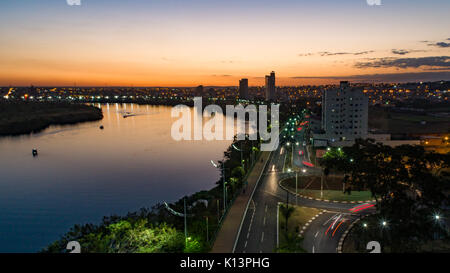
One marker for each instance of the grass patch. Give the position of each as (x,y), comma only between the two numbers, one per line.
(332,188)
(289,240)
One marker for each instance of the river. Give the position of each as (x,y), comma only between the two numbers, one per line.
(83,173)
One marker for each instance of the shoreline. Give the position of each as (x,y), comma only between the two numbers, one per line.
(23,118)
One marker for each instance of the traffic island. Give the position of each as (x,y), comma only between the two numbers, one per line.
(289,238)
(309,187)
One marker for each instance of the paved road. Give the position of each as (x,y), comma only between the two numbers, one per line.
(323,234)
(259,230)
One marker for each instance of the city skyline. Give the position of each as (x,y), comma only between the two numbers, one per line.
(216,43)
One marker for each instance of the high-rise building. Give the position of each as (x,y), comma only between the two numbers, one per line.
(270,86)
(243,89)
(344,113)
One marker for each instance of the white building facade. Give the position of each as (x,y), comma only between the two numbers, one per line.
(344,114)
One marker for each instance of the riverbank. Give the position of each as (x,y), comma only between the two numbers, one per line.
(17,118)
(160,228)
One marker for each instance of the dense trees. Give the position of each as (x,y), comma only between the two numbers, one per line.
(27,117)
(410,186)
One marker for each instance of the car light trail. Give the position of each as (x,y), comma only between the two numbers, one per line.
(361,207)
(342,221)
(308,164)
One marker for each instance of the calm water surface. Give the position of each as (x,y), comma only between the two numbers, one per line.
(83,173)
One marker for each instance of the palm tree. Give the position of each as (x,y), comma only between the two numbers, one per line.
(287,212)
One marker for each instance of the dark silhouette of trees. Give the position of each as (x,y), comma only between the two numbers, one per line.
(408,183)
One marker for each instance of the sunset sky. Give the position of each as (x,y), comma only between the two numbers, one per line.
(216,42)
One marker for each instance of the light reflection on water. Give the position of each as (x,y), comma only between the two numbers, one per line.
(83,173)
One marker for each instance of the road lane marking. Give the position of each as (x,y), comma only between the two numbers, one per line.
(245,246)
(262,237)
(317,233)
(264,224)
(313,250)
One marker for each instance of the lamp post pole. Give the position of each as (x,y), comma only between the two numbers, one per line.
(296,187)
(224,190)
(185,222)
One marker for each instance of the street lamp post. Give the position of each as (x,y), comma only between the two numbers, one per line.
(184,215)
(296,187)
(224,184)
(242,157)
(185,223)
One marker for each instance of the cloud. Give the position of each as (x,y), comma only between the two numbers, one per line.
(388,77)
(223,75)
(326,53)
(440,44)
(388,62)
(405,51)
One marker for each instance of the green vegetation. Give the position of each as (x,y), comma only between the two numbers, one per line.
(29,117)
(410,186)
(289,239)
(332,188)
(125,236)
(157,229)
(369,229)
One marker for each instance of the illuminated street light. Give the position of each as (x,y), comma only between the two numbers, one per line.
(437,217)
(224,184)
(304,170)
(365,225)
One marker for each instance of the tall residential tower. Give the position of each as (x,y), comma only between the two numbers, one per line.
(344,113)
(270,86)
(243,89)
